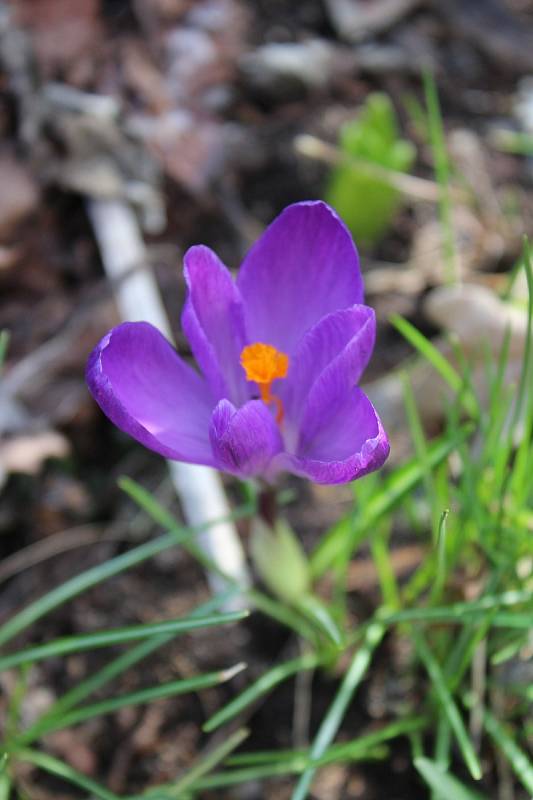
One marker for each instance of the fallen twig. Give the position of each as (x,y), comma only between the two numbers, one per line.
(410,185)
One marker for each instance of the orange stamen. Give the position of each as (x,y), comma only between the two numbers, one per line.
(263,364)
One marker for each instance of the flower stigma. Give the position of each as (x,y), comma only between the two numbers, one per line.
(263,363)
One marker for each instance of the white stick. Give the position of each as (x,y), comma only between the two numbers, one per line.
(137,296)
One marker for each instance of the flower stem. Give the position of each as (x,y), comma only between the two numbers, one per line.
(267,507)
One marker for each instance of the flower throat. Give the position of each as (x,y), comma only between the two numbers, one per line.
(263,364)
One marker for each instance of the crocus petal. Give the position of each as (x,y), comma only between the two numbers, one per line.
(147,391)
(303,267)
(343,341)
(213,322)
(244,440)
(350,444)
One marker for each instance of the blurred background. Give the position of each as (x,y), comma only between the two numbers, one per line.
(202,119)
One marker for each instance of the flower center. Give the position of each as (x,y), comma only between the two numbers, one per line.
(263,364)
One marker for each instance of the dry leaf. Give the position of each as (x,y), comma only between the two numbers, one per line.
(27,454)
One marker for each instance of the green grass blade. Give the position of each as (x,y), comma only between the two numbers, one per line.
(92,641)
(442,174)
(440,363)
(521,764)
(115,668)
(448,705)
(233,777)
(109,672)
(509,650)
(15,700)
(267,605)
(381,555)
(266,757)
(207,764)
(140,697)
(392,491)
(333,719)
(519,481)
(5,786)
(440,569)
(177,535)
(347,751)
(295,765)
(282,614)
(61,770)
(503,455)
(147,502)
(5,778)
(443,744)
(260,687)
(86,580)
(444,784)
(159,514)
(527,365)
(463,651)
(317,611)
(4,342)
(270,764)
(418,437)
(498,620)
(461,612)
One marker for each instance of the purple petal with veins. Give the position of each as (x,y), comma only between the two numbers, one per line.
(144,387)
(244,440)
(303,267)
(299,292)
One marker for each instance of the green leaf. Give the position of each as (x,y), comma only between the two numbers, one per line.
(371,139)
(441,782)
(177,535)
(346,751)
(140,697)
(381,555)
(5,778)
(5,786)
(442,174)
(232,777)
(319,613)
(268,681)
(346,535)
(333,719)
(145,500)
(264,765)
(518,143)
(280,560)
(91,641)
(499,619)
(448,705)
(521,764)
(439,362)
(113,669)
(86,580)
(61,770)
(267,605)
(4,342)
(203,766)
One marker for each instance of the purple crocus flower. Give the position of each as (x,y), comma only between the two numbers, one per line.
(281,351)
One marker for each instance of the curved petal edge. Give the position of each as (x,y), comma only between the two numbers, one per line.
(213,322)
(148,392)
(304,266)
(349,446)
(340,343)
(244,440)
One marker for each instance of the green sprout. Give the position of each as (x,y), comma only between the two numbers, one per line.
(367,201)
